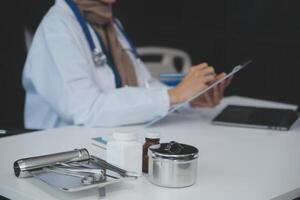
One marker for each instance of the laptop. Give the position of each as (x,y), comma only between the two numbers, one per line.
(257,117)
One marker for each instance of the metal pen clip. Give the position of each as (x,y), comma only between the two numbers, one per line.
(99,58)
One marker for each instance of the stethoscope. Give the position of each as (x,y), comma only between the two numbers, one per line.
(100,58)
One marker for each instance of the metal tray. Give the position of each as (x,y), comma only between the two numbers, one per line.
(73,184)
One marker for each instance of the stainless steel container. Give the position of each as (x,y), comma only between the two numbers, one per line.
(173,164)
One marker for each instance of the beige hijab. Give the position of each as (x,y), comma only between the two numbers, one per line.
(100,16)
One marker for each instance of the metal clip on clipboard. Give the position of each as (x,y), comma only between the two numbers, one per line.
(72,171)
(176,107)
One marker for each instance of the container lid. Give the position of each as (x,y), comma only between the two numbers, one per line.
(174,151)
(152,135)
(124,135)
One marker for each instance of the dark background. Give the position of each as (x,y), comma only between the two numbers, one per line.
(15,15)
(225,33)
(220,32)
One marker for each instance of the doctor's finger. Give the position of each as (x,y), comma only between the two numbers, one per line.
(216,95)
(200,72)
(208,99)
(220,76)
(209,78)
(200,104)
(200,66)
(228,81)
(223,87)
(207,71)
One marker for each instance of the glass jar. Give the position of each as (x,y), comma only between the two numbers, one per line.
(151,138)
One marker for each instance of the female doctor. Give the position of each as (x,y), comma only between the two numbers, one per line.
(82,69)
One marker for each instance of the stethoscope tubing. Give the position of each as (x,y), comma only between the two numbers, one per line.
(87,32)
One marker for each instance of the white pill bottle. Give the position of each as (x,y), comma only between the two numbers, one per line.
(125,151)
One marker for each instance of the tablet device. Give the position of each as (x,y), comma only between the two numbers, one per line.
(257,117)
(176,107)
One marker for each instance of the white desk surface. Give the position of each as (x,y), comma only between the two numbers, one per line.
(234,163)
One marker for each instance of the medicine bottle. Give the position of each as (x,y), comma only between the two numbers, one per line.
(125,151)
(151,138)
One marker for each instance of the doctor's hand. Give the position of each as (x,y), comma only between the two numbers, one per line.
(212,97)
(197,79)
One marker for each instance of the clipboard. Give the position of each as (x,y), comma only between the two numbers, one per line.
(175,108)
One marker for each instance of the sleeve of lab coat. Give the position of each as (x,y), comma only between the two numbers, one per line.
(79,100)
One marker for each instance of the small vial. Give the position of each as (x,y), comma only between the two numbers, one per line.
(151,138)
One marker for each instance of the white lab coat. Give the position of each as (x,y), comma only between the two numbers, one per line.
(63,86)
